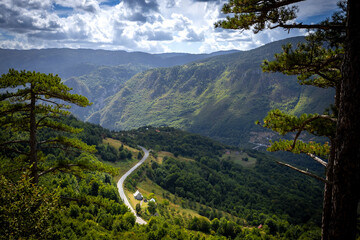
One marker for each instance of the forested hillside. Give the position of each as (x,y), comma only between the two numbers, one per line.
(84,204)
(220,97)
(244,184)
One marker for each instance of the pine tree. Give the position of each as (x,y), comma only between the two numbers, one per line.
(32,101)
(329,58)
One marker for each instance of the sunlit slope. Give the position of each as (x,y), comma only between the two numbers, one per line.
(220,97)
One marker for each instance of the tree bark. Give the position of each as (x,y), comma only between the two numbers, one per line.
(32,140)
(345,189)
(327,200)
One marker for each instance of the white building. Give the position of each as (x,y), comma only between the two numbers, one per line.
(138,195)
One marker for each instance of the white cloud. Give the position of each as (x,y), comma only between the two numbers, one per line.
(133,25)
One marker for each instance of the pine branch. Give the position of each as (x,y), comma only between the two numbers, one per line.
(327,78)
(66,149)
(308,26)
(71,199)
(269,7)
(40,120)
(304,172)
(15,141)
(319,160)
(49,101)
(302,127)
(15,150)
(57,168)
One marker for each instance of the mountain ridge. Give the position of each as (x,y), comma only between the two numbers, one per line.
(220,97)
(68,62)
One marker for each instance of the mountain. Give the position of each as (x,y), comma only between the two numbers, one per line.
(220,97)
(76,62)
(100,84)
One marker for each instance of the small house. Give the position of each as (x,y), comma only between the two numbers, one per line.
(152,200)
(138,195)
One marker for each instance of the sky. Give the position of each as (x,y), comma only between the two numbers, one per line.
(153,26)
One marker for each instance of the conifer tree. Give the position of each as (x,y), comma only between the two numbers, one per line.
(32,101)
(329,58)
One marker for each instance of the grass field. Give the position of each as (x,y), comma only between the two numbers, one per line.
(163,154)
(238,157)
(116,144)
(148,187)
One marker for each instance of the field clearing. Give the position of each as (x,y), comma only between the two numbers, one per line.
(163,154)
(117,144)
(238,157)
(147,187)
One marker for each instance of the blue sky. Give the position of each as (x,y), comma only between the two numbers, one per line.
(153,26)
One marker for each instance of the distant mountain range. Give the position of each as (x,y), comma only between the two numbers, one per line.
(76,62)
(219,95)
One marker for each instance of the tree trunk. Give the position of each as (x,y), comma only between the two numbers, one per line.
(32,140)
(327,201)
(345,189)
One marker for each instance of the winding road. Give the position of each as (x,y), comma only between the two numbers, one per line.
(120,186)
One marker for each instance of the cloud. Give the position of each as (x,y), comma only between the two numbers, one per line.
(21,19)
(137,17)
(144,6)
(192,36)
(34,4)
(159,36)
(91,6)
(206,0)
(170,3)
(133,25)
(49,35)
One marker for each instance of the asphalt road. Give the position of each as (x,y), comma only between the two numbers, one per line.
(120,186)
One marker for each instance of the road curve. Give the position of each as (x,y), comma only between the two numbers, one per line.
(120,186)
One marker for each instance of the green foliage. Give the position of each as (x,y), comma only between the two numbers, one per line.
(257,14)
(317,62)
(300,147)
(138,209)
(242,192)
(172,140)
(200,224)
(26,209)
(32,102)
(320,125)
(314,64)
(152,207)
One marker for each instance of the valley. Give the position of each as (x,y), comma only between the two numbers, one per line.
(187,120)
(205,169)
(219,95)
